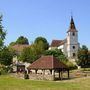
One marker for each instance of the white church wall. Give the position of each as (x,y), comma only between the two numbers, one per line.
(52,48)
(61,47)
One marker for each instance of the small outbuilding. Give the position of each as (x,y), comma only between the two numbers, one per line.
(48,64)
(19,67)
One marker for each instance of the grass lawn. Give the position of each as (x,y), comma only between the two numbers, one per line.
(10,83)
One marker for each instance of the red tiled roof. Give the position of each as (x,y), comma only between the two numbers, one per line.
(47,62)
(19,47)
(56,43)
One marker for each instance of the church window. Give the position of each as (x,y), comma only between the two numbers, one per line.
(73,47)
(73,34)
(74,54)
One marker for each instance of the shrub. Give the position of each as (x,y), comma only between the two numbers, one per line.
(71,65)
(3,70)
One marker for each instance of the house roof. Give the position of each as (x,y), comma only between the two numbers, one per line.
(72,27)
(19,47)
(47,62)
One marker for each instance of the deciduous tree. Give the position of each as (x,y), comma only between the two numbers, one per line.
(43,41)
(28,55)
(57,53)
(6,56)
(22,40)
(2,33)
(83,56)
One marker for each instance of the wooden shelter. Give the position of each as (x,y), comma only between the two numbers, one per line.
(50,63)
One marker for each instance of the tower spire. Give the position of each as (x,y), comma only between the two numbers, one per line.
(72,27)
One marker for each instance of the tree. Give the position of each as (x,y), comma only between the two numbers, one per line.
(28,55)
(2,33)
(32,53)
(57,53)
(12,43)
(6,56)
(22,40)
(43,41)
(83,56)
(38,48)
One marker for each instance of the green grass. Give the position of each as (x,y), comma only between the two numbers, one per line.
(10,83)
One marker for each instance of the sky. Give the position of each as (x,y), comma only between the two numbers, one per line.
(46,18)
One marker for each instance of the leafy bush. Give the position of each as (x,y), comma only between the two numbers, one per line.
(71,65)
(3,70)
(6,56)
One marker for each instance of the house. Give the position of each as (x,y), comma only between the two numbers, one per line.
(70,44)
(19,65)
(48,64)
(19,48)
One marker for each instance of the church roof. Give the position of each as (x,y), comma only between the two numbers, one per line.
(72,27)
(47,62)
(56,43)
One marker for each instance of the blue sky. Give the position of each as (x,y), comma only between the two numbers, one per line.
(47,18)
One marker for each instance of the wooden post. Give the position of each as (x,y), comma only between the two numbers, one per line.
(43,73)
(53,73)
(50,71)
(59,74)
(68,74)
(36,71)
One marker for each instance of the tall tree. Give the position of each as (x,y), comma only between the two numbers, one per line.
(2,33)
(44,43)
(83,56)
(22,40)
(6,56)
(28,55)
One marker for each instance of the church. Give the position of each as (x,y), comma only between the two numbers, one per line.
(70,44)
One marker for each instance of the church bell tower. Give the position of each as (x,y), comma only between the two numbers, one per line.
(72,41)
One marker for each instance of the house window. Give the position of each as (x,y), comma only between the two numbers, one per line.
(73,47)
(74,54)
(73,33)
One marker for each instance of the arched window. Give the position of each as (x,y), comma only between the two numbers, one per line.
(74,54)
(73,33)
(73,47)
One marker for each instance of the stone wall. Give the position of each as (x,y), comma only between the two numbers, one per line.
(40,77)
